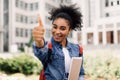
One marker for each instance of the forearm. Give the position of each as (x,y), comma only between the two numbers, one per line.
(40,53)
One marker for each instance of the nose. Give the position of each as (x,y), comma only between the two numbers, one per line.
(57,31)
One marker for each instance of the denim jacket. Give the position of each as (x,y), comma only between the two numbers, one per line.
(56,67)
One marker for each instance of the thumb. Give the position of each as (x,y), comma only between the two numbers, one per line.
(40,21)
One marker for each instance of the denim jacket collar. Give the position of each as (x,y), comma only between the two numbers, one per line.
(59,45)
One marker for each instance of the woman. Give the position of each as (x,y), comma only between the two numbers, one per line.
(64,20)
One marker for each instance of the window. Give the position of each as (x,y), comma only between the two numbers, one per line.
(79,37)
(107,15)
(21,32)
(6,4)
(17,17)
(100,38)
(36,6)
(90,38)
(21,18)
(106,3)
(26,6)
(26,33)
(31,6)
(21,4)
(26,20)
(110,37)
(31,20)
(118,2)
(17,3)
(111,3)
(118,36)
(17,32)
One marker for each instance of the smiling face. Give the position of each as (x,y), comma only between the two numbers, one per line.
(60,30)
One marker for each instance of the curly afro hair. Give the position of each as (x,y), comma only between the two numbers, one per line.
(73,14)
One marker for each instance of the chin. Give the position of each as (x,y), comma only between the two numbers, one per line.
(57,40)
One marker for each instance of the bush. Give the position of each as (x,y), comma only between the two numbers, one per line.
(102,67)
(25,64)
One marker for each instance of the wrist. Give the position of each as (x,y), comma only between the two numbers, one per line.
(39,44)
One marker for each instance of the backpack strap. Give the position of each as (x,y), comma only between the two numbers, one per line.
(80,50)
(42,75)
(49,51)
(49,54)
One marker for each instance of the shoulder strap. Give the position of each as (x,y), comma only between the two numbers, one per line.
(49,50)
(49,54)
(80,50)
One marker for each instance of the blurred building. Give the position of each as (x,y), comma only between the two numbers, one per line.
(101,22)
(1,27)
(18,18)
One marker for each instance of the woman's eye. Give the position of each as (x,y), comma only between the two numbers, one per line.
(55,27)
(63,28)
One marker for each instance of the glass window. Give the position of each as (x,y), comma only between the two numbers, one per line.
(36,6)
(21,4)
(26,33)
(31,6)
(107,15)
(17,3)
(100,37)
(17,32)
(31,20)
(21,18)
(17,17)
(26,19)
(111,3)
(118,36)
(21,32)
(26,6)
(6,4)
(118,2)
(110,37)
(106,3)
(90,38)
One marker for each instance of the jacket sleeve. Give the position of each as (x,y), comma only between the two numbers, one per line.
(41,53)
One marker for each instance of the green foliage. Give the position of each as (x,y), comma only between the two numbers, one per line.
(25,64)
(30,41)
(105,67)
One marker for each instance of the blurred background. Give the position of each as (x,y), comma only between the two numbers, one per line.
(100,37)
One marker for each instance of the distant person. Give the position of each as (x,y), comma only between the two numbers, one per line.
(64,20)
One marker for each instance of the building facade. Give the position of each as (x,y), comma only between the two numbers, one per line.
(19,17)
(101,22)
(1,27)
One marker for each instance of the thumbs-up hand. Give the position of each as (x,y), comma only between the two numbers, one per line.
(38,33)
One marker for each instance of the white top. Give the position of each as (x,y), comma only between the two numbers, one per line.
(67,59)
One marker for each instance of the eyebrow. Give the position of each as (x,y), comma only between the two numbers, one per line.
(55,24)
(61,26)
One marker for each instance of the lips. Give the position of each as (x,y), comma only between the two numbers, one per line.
(57,37)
